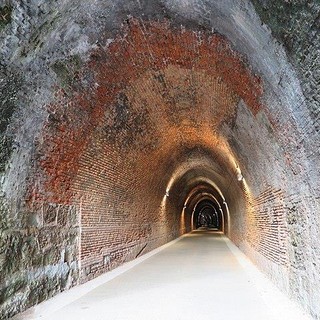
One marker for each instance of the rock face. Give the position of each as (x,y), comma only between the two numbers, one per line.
(119,117)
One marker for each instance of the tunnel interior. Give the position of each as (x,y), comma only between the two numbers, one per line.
(126,124)
(207,215)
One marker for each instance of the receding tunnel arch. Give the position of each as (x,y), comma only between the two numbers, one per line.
(206,214)
(204,188)
(208,197)
(208,191)
(168,102)
(195,171)
(107,149)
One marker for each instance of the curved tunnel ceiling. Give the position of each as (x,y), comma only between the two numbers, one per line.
(170,89)
(129,113)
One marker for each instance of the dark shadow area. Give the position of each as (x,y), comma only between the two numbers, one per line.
(207,216)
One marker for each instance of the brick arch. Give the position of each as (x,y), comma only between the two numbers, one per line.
(152,51)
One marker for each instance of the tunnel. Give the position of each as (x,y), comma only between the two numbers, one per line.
(128,124)
(206,215)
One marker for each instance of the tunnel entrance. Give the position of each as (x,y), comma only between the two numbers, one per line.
(206,215)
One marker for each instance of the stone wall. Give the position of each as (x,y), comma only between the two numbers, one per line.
(118,117)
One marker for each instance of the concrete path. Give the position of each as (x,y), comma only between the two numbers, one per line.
(198,277)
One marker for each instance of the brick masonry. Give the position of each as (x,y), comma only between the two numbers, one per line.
(114,131)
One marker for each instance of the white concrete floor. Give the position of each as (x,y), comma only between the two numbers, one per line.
(201,276)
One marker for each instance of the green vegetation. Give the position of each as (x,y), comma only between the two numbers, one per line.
(67,70)
(5,16)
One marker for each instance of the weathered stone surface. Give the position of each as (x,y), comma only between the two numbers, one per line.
(119,116)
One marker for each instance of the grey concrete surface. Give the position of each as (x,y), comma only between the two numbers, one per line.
(201,276)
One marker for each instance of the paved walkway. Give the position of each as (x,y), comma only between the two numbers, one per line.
(198,277)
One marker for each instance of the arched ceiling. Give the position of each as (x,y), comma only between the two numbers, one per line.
(121,110)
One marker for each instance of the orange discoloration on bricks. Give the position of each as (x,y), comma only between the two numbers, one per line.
(142,47)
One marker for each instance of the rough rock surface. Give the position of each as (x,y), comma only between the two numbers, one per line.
(118,117)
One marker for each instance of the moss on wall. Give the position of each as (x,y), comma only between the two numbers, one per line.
(67,71)
(9,86)
(5,16)
(290,21)
(296,24)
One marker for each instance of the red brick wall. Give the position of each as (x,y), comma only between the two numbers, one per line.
(111,147)
(162,110)
(109,131)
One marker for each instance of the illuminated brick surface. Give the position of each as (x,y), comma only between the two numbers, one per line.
(118,120)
